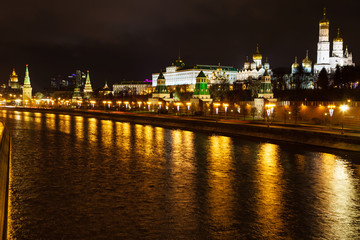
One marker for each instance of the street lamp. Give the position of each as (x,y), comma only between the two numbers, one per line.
(92,103)
(269,110)
(343,108)
(331,112)
(126,104)
(188,104)
(139,102)
(149,104)
(119,102)
(178,106)
(109,104)
(217,107)
(159,103)
(104,102)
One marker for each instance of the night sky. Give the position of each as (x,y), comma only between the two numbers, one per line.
(129,40)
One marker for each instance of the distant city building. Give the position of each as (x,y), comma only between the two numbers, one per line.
(132,88)
(77,95)
(27,89)
(180,74)
(255,69)
(67,82)
(14,81)
(338,56)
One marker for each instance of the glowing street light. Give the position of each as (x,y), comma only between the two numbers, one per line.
(188,104)
(149,104)
(139,102)
(178,106)
(343,108)
(331,112)
(109,104)
(269,110)
(92,103)
(126,104)
(119,102)
(217,105)
(159,103)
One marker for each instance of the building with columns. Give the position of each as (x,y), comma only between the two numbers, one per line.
(325,58)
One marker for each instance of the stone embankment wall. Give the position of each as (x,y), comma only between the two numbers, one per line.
(5,155)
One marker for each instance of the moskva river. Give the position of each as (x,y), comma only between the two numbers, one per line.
(75,177)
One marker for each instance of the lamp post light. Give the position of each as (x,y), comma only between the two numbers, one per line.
(226,105)
(119,102)
(331,112)
(217,108)
(188,104)
(149,104)
(104,102)
(126,104)
(139,102)
(159,103)
(178,106)
(92,103)
(343,108)
(269,110)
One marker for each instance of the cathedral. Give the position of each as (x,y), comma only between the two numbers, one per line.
(338,56)
(255,69)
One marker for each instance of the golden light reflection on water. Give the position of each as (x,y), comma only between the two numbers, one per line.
(106,131)
(159,141)
(270,187)
(221,192)
(79,125)
(92,130)
(64,123)
(182,177)
(50,121)
(338,197)
(37,117)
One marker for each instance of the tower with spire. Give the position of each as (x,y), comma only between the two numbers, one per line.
(88,89)
(265,90)
(201,87)
(338,56)
(27,89)
(14,81)
(161,90)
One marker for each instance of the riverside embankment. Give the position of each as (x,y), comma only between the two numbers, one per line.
(292,134)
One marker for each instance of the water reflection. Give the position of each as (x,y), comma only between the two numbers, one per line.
(269,191)
(131,181)
(221,192)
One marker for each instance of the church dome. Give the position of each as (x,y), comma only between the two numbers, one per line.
(307,63)
(257,55)
(338,38)
(324,20)
(295,64)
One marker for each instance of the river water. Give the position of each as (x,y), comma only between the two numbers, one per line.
(74,177)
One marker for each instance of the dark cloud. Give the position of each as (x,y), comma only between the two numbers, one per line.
(132,39)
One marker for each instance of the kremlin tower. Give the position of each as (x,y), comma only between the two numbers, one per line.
(13,81)
(27,89)
(88,89)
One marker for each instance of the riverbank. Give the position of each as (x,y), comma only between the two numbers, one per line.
(292,134)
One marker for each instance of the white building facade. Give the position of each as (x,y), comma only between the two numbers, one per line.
(338,55)
(178,74)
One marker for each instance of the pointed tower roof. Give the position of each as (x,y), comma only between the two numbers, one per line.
(307,62)
(295,64)
(27,77)
(106,86)
(161,75)
(201,75)
(13,74)
(257,55)
(87,77)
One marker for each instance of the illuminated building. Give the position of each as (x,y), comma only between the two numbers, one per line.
(179,74)
(132,88)
(27,89)
(106,90)
(77,95)
(306,78)
(88,89)
(265,90)
(255,69)
(338,56)
(13,81)
(161,90)
(201,88)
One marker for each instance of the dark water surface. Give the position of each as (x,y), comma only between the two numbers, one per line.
(74,177)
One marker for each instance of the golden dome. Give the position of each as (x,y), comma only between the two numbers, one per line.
(324,20)
(295,64)
(307,62)
(338,38)
(257,55)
